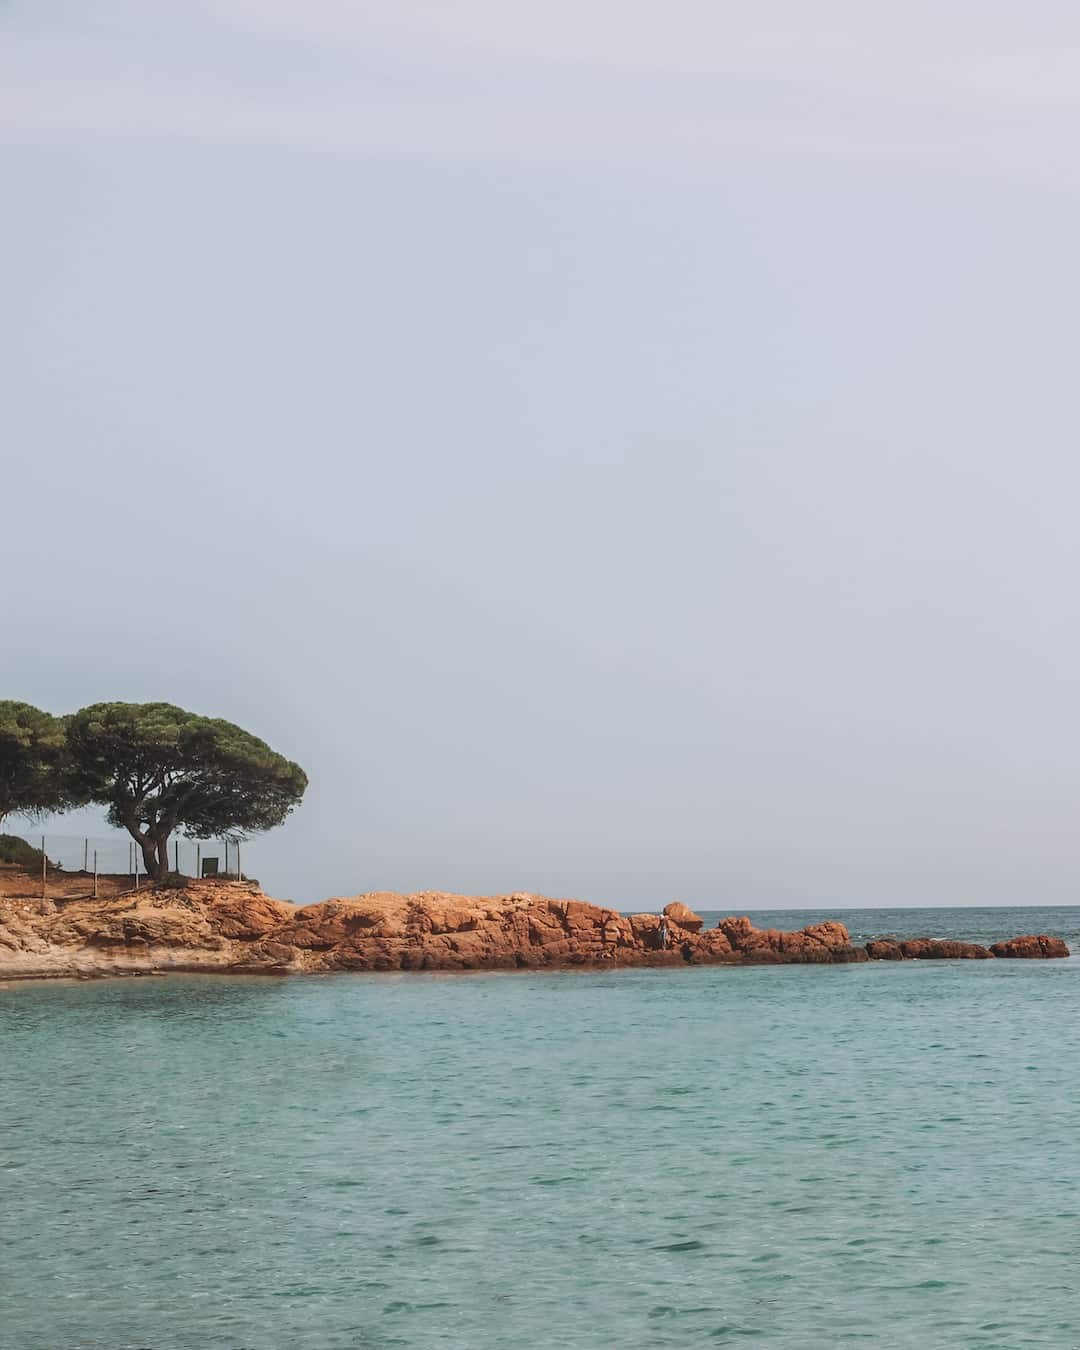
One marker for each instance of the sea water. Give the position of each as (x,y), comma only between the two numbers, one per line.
(884,1155)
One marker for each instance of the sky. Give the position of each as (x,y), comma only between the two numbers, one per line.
(624,451)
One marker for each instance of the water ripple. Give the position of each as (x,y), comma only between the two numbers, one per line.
(877,1156)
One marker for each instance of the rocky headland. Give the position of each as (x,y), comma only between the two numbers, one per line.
(221,926)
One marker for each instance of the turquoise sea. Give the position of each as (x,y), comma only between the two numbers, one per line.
(884,1155)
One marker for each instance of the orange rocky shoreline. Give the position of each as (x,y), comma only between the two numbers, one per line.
(232,927)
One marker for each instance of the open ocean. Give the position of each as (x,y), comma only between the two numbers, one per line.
(884,1155)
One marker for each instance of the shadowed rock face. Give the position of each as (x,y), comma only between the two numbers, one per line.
(223,926)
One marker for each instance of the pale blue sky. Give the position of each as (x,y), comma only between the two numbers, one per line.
(624,451)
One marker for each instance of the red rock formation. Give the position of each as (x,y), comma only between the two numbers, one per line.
(206,926)
(884,949)
(1030,946)
(223,926)
(819,943)
(684,916)
(942,949)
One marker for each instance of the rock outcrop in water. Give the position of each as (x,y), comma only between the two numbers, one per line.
(231,926)
(943,949)
(1030,947)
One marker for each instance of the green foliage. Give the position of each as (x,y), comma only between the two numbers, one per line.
(158,768)
(33,762)
(18,851)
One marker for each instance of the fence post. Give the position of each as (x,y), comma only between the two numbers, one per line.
(95,874)
(176,854)
(239,874)
(44,867)
(198,861)
(226,842)
(136,869)
(85,854)
(131,859)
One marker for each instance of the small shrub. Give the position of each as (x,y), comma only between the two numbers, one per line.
(18,851)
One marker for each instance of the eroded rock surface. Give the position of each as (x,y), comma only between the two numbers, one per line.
(1030,946)
(943,949)
(884,949)
(231,926)
(684,916)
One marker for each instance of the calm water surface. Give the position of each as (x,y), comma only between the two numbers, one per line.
(879,1156)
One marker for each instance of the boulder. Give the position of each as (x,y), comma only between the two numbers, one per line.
(714,946)
(737,929)
(820,943)
(684,916)
(943,949)
(1030,946)
(884,949)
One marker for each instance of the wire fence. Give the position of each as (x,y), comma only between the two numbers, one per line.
(65,866)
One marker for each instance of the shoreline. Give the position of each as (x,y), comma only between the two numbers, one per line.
(232,928)
(11,981)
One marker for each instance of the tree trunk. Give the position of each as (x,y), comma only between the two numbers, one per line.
(150,861)
(163,856)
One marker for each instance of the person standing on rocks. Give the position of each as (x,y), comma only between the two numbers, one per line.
(663,932)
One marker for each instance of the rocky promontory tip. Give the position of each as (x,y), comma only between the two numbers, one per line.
(233,927)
